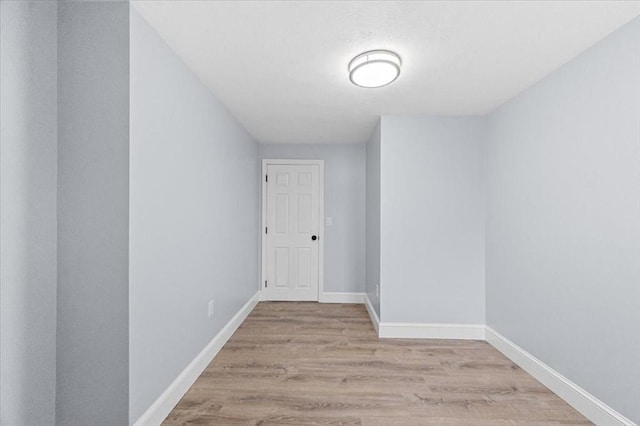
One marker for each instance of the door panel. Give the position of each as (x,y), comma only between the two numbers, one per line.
(281,267)
(282,214)
(292,209)
(304,214)
(304,268)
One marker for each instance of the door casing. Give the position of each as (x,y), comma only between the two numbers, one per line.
(263,257)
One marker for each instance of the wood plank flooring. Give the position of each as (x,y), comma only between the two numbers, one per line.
(299,363)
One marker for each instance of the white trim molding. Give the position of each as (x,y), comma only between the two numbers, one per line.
(588,405)
(408,330)
(341,297)
(162,406)
(372,313)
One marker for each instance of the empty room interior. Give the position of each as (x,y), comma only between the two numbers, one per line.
(319,212)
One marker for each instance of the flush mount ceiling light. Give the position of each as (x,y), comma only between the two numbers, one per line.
(375,68)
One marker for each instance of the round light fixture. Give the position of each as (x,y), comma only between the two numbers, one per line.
(375,68)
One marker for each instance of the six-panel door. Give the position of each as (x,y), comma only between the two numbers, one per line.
(292,222)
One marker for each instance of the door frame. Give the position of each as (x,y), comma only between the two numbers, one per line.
(263,238)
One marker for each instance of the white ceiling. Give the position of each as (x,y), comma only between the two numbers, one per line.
(281,67)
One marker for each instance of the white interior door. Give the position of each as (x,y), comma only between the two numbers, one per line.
(292,232)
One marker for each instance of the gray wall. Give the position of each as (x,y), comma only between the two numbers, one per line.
(93,213)
(373,219)
(563,228)
(28,212)
(432,219)
(344,202)
(194,216)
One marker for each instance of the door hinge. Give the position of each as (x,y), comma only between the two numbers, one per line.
(266,178)
(265,283)
(266,230)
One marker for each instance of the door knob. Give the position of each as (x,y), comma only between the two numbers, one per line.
(313,237)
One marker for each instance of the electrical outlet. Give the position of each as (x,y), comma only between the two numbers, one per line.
(378,291)
(210,308)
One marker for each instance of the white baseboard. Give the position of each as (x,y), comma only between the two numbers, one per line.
(329,297)
(406,330)
(162,406)
(336,297)
(590,406)
(372,313)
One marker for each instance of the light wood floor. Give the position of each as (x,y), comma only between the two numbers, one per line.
(301,364)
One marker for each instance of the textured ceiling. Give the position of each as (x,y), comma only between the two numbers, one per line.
(281,67)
